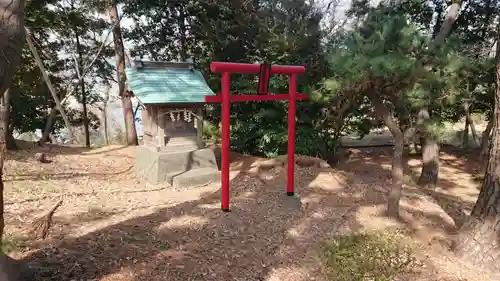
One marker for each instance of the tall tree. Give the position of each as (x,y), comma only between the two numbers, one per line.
(479,240)
(385,72)
(80,34)
(429,142)
(126,97)
(382,58)
(11,44)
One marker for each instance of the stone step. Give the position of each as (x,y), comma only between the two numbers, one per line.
(195,177)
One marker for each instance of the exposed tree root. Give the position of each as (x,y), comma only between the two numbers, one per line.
(281,163)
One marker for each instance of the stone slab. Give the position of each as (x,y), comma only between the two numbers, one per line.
(196,177)
(161,166)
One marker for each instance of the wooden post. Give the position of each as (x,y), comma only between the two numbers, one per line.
(154,124)
(146,121)
(199,128)
(161,126)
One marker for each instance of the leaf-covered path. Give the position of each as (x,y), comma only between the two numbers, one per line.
(113,226)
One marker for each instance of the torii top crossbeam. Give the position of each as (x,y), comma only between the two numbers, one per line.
(247,68)
(264,71)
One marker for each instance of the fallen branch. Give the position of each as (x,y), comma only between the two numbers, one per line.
(41,226)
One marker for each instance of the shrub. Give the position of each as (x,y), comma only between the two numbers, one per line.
(377,256)
(211,131)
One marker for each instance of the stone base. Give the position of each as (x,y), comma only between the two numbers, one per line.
(180,167)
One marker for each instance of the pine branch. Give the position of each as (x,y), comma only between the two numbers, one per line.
(42,225)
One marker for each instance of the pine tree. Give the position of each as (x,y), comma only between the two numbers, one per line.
(384,58)
(479,237)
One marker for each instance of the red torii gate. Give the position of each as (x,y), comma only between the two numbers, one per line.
(264,71)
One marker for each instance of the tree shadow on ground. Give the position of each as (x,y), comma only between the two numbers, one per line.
(455,206)
(266,236)
(467,160)
(266,233)
(379,160)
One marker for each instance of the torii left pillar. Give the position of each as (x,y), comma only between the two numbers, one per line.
(225,98)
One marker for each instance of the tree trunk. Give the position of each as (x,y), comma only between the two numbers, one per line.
(469,123)
(11,40)
(437,26)
(128,113)
(10,141)
(479,238)
(397,158)
(84,93)
(3,150)
(85,115)
(48,126)
(430,147)
(445,30)
(11,43)
(397,175)
(106,135)
(105,113)
(430,152)
(485,138)
(9,270)
(51,120)
(465,135)
(182,31)
(430,163)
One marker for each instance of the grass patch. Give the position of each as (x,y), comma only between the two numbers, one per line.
(374,256)
(11,244)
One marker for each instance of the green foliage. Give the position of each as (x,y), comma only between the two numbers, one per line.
(53,25)
(211,131)
(277,32)
(29,96)
(388,55)
(383,51)
(379,256)
(435,129)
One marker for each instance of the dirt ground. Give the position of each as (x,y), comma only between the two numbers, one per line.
(113,226)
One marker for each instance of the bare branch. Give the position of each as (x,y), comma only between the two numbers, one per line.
(86,69)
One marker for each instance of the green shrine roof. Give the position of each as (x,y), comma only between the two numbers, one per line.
(167,82)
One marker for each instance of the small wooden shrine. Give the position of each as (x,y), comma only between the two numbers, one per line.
(172,95)
(168,126)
